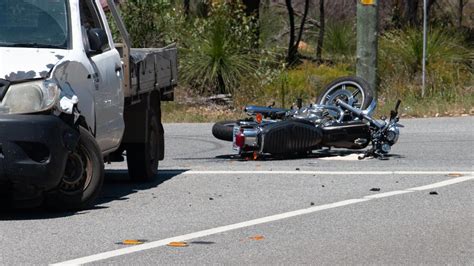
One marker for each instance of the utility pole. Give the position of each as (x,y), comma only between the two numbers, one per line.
(425,33)
(367,40)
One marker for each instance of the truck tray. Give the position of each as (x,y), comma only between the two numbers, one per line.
(153,69)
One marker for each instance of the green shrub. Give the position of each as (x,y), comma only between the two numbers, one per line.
(340,41)
(448,71)
(220,52)
(306,81)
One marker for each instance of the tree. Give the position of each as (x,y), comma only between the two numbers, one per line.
(186,7)
(293,56)
(322,24)
(411,12)
(412,8)
(461,4)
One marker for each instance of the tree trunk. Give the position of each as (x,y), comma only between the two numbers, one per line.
(303,20)
(428,8)
(292,50)
(186,7)
(252,9)
(460,12)
(322,24)
(411,12)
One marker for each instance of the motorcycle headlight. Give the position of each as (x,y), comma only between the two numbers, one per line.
(30,97)
(392,134)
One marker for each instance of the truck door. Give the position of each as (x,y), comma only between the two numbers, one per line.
(107,77)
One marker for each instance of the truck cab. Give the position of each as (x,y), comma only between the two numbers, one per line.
(70,98)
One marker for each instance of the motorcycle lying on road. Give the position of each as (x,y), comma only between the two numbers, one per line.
(340,118)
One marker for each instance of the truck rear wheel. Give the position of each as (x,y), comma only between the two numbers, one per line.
(143,158)
(82,179)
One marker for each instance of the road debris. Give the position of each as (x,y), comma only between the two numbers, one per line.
(177,244)
(433,193)
(312,203)
(131,242)
(257,237)
(455,175)
(375,189)
(203,242)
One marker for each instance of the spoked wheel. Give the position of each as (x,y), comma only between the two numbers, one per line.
(353,90)
(143,158)
(82,178)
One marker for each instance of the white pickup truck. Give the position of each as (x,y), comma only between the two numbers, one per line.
(70,98)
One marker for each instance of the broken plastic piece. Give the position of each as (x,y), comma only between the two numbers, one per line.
(132,242)
(455,174)
(67,105)
(177,244)
(257,237)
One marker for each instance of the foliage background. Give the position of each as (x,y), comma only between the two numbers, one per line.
(224,50)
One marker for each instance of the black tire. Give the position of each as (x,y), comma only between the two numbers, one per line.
(341,87)
(143,158)
(224,130)
(82,179)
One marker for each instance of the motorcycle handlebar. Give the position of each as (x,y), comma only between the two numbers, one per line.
(359,113)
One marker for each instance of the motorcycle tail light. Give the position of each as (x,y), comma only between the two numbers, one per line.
(259,118)
(240,138)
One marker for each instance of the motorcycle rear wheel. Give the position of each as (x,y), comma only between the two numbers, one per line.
(224,130)
(352,90)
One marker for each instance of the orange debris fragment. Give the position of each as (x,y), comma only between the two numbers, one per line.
(257,237)
(178,244)
(455,174)
(132,242)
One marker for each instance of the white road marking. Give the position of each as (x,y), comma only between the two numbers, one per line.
(277,172)
(387,194)
(442,183)
(350,157)
(272,218)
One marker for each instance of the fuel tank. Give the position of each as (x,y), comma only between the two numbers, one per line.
(349,135)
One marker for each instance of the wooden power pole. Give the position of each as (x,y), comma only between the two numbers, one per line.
(367,40)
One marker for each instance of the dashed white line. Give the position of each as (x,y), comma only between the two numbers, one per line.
(272,218)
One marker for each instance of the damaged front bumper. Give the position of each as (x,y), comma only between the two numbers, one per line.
(33,154)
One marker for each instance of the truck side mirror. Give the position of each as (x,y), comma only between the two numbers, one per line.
(98,40)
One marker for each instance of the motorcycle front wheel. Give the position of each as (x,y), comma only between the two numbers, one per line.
(353,90)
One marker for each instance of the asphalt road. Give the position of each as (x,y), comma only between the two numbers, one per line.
(326,209)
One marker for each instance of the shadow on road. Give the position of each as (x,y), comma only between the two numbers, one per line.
(117,186)
(315,155)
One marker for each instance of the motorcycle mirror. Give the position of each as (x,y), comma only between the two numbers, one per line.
(399,125)
(394,113)
(299,103)
(397,105)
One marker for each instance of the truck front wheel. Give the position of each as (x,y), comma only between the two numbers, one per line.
(143,158)
(82,179)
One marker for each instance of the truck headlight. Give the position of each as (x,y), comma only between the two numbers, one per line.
(30,97)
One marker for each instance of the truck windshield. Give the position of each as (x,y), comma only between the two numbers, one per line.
(34,23)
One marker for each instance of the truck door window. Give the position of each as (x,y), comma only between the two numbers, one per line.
(90,17)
